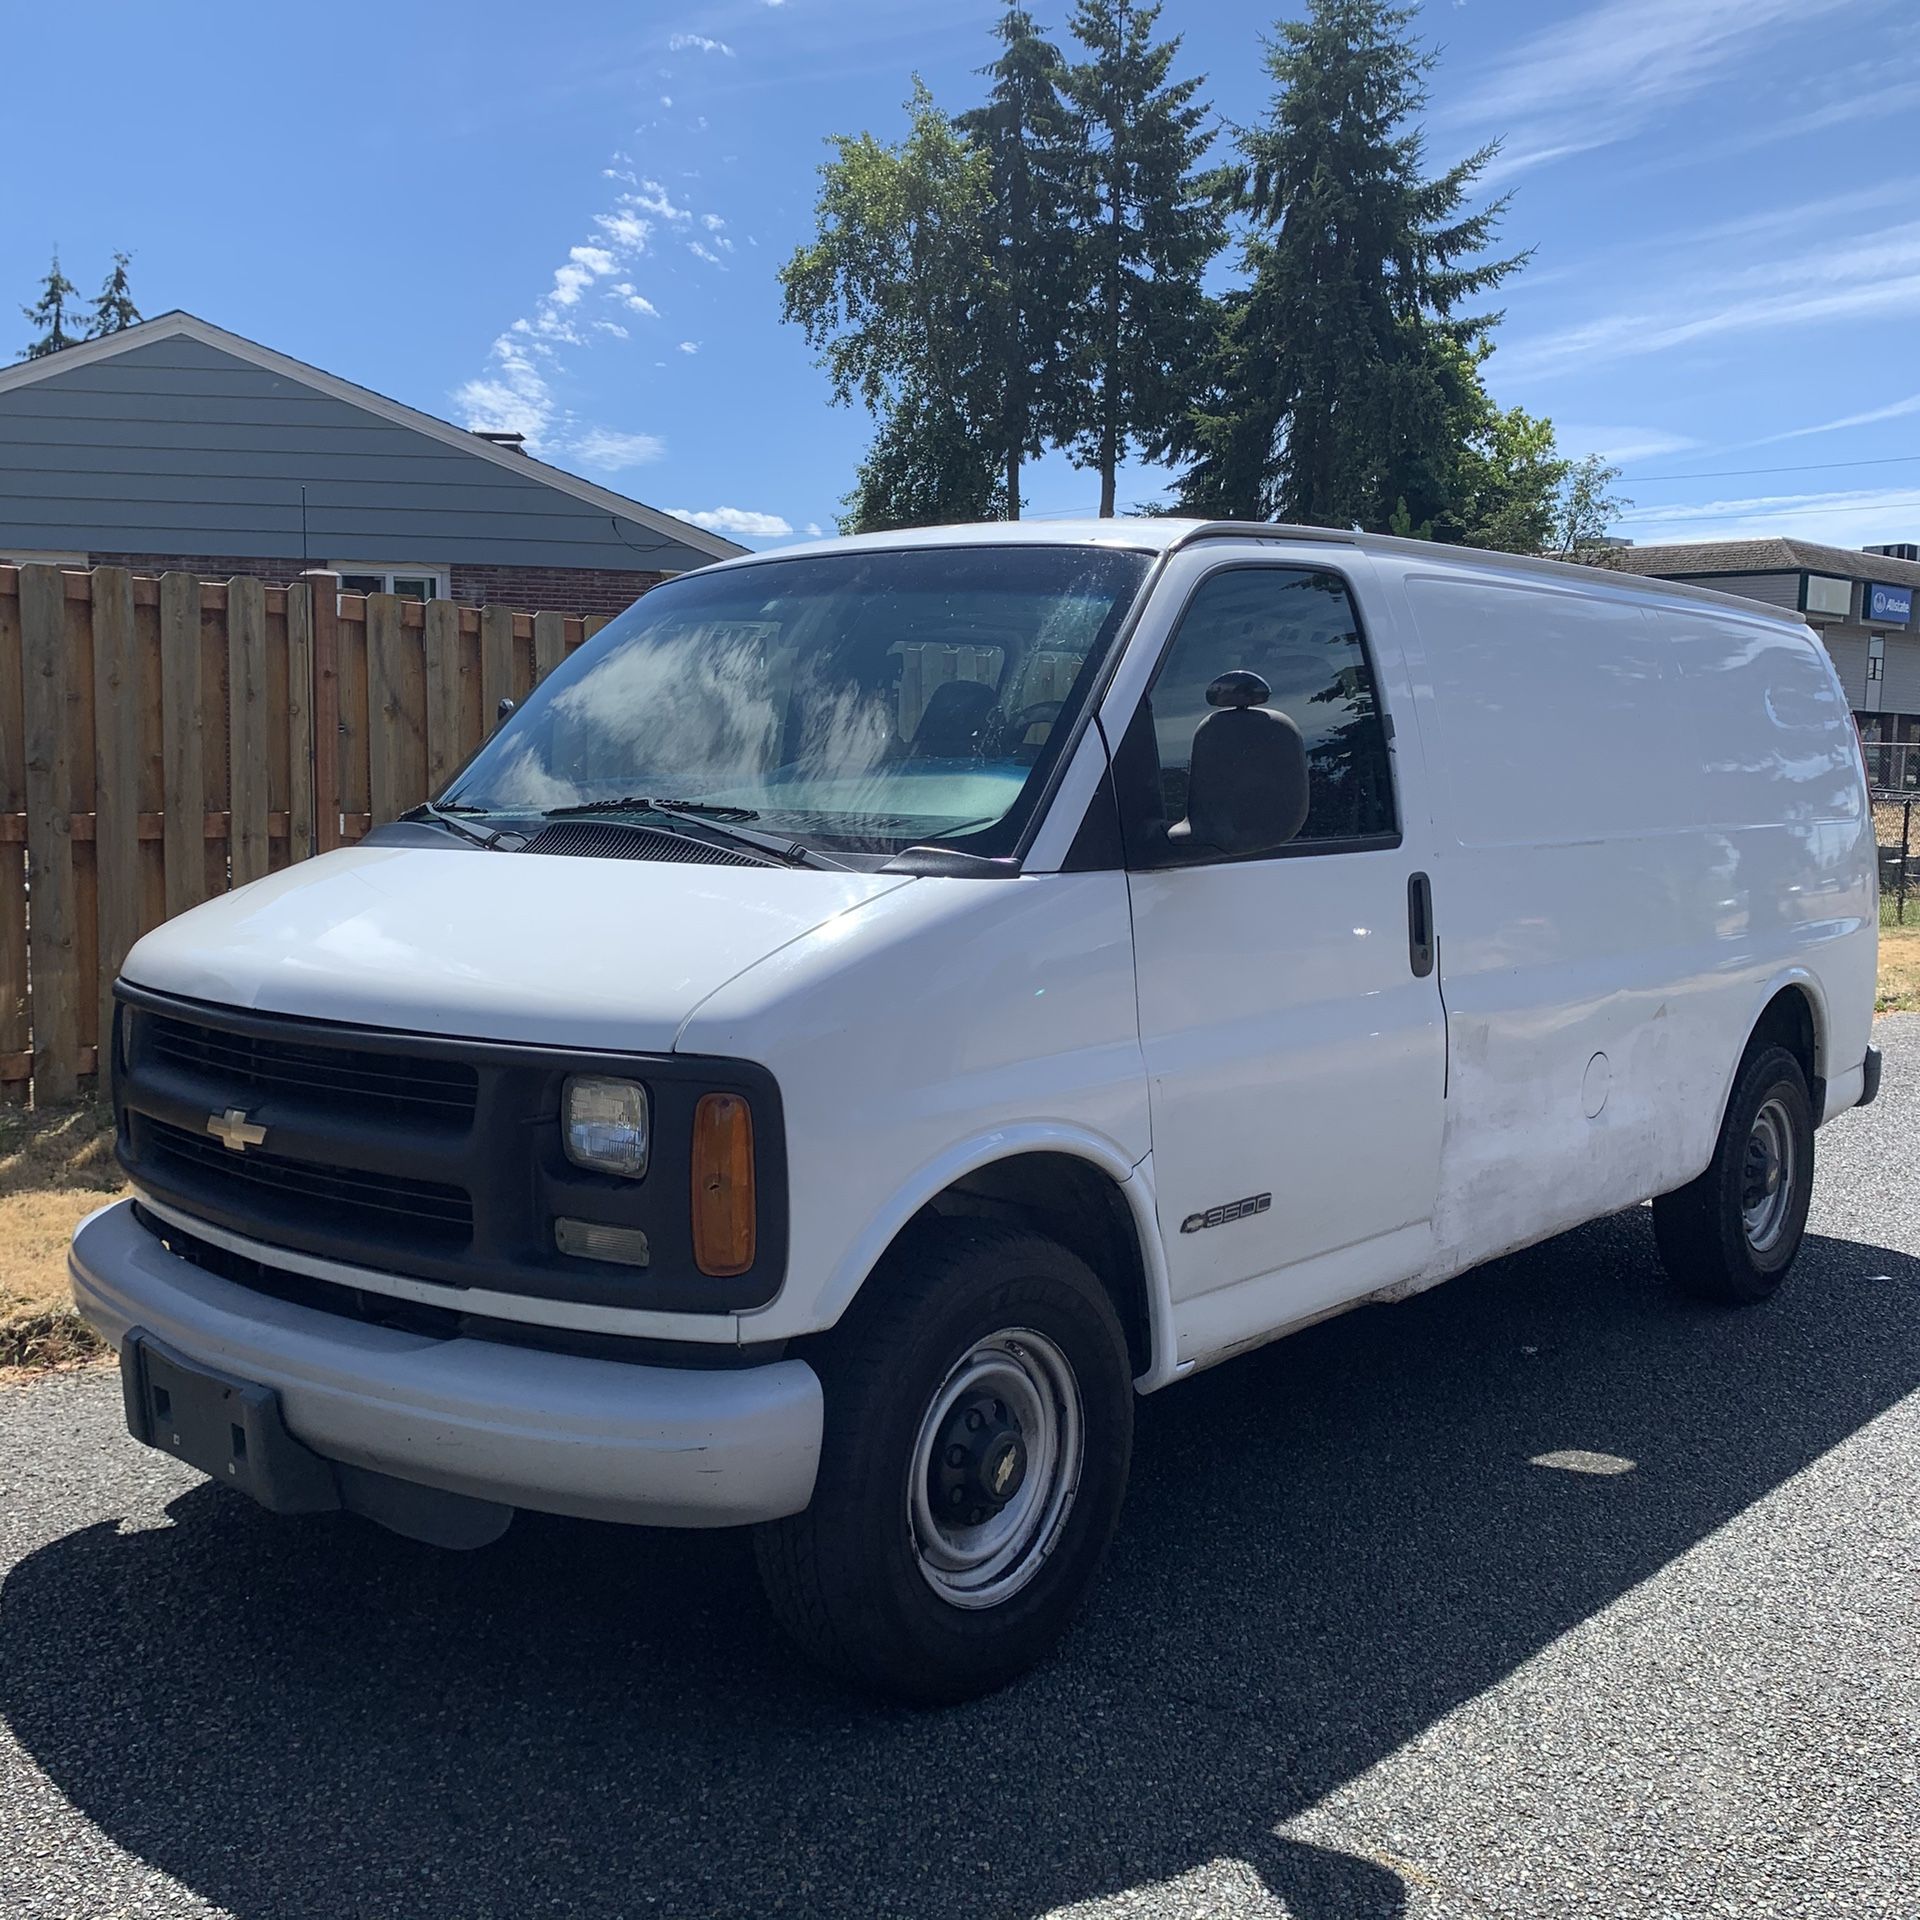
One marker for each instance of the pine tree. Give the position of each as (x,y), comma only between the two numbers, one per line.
(49,313)
(1344,364)
(1147,226)
(1024,130)
(113,308)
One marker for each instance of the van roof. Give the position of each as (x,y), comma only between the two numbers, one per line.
(1151,533)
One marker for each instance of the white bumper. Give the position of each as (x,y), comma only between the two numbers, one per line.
(601,1439)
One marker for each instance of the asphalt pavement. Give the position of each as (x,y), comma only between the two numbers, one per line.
(1356,1655)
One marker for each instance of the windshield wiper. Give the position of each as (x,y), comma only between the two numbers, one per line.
(447,816)
(719,819)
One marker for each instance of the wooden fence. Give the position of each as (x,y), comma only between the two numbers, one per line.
(164,739)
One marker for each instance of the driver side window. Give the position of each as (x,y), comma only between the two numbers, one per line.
(1297,629)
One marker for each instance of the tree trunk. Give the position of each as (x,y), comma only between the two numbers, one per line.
(1110,380)
(1013,480)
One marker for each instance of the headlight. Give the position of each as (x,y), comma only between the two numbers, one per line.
(604,1125)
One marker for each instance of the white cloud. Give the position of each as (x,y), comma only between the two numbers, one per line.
(512,397)
(654,199)
(1852,518)
(666,99)
(1857,276)
(624,228)
(699,42)
(514,393)
(816,529)
(704,253)
(610,451)
(689,346)
(1894,410)
(712,222)
(1619,445)
(1587,81)
(735,520)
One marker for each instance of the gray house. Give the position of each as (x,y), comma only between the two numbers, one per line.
(176,444)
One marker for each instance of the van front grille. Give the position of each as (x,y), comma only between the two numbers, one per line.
(422,1212)
(250,1067)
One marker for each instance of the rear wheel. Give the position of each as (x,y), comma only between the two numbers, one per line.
(1731,1235)
(979,1425)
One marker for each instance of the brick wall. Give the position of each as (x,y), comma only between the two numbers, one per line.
(603,590)
(540,589)
(210,566)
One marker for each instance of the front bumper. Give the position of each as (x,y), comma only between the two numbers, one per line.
(558,1433)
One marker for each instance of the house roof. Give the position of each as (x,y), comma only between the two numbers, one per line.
(169,325)
(1777,555)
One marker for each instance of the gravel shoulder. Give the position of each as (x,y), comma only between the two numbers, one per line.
(1356,1656)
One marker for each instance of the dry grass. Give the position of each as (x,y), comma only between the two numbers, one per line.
(1900,967)
(56,1166)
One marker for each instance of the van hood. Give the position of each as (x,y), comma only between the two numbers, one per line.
(607,955)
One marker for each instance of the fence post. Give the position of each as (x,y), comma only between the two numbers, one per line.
(118,703)
(49,770)
(1906,845)
(323,609)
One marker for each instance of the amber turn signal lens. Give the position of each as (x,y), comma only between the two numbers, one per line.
(723,1207)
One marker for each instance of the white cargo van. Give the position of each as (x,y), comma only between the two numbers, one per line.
(879,1006)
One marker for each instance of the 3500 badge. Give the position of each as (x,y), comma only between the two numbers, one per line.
(1227,1212)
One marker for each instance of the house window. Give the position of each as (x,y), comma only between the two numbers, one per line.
(410,583)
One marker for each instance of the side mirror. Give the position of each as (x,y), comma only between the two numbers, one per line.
(1247,781)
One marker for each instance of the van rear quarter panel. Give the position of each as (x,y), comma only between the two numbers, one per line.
(1649,816)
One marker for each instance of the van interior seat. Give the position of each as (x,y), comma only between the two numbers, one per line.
(956,712)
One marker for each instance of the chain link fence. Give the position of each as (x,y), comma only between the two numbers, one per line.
(1898,834)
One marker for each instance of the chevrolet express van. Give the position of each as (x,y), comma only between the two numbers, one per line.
(879,1006)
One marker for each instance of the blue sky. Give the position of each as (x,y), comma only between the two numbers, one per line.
(569,220)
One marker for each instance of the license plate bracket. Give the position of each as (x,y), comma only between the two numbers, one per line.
(231,1429)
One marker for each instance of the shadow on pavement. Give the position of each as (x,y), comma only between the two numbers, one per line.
(1328,1546)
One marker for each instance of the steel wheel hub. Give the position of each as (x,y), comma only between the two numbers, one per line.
(1766,1185)
(995,1468)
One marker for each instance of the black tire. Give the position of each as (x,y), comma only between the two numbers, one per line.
(1702,1228)
(845,1578)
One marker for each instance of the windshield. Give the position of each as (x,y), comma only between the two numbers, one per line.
(861,701)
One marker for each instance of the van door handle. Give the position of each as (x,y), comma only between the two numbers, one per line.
(1420,925)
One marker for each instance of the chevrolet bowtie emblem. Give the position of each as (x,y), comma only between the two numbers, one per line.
(233,1130)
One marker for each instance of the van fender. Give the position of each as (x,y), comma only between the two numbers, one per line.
(1791,976)
(933,1178)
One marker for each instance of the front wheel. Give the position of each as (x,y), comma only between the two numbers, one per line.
(979,1423)
(1731,1235)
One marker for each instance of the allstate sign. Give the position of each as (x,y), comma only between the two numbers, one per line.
(1892,604)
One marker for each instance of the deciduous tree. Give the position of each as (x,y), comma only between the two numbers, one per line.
(896,293)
